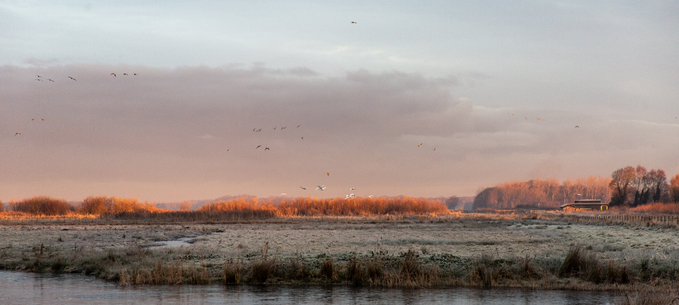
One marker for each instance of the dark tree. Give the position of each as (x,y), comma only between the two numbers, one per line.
(621,184)
(674,189)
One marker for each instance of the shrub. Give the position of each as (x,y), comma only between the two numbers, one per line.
(263,270)
(328,270)
(113,206)
(233,273)
(42,206)
(586,266)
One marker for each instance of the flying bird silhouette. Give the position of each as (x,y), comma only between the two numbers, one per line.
(17,134)
(577,126)
(300,125)
(354,22)
(420,145)
(71,77)
(267,148)
(327,174)
(125,73)
(301,138)
(114,75)
(302,187)
(321,187)
(51,80)
(258,146)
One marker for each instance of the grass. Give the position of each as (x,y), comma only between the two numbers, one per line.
(579,268)
(657,208)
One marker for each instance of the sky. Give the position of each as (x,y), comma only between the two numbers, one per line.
(424,99)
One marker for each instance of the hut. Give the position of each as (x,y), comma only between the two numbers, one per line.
(585,205)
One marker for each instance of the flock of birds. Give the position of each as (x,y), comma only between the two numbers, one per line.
(263,147)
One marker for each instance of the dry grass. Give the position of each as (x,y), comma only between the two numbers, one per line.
(243,208)
(23,217)
(361,207)
(657,208)
(240,209)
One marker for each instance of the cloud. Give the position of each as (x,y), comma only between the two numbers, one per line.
(170,129)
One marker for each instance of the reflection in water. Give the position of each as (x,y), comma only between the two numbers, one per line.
(25,288)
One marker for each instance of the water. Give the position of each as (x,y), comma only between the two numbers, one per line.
(25,288)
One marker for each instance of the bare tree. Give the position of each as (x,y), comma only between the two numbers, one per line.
(621,184)
(674,189)
(658,185)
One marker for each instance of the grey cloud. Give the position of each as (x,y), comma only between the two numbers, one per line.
(173,127)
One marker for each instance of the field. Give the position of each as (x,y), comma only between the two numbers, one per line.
(455,250)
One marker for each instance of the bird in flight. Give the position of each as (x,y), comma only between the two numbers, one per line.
(420,145)
(135,73)
(114,75)
(353,188)
(125,73)
(301,138)
(577,126)
(228,149)
(267,148)
(17,134)
(303,188)
(284,127)
(300,125)
(327,174)
(354,22)
(51,80)
(71,77)
(321,187)
(258,146)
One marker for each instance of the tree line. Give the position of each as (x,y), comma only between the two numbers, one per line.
(628,186)
(541,194)
(634,186)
